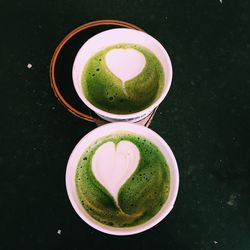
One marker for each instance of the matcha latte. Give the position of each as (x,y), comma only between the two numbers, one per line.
(122,180)
(123,79)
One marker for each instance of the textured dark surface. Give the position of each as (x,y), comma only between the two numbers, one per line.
(205,120)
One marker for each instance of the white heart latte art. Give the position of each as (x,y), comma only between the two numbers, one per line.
(125,63)
(112,165)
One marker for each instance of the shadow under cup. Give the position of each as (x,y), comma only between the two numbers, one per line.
(113,37)
(108,129)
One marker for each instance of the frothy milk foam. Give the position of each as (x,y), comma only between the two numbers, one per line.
(113,164)
(125,63)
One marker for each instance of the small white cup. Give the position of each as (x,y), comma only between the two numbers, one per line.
(115,36)
(105,130)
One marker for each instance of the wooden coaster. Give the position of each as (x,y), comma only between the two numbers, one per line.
(61,68)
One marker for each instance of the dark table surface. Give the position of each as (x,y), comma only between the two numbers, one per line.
(205,120)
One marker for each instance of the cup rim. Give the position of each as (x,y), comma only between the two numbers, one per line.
(123,117)
(88,139)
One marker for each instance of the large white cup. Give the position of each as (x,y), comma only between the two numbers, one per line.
(112,37)
(105,130)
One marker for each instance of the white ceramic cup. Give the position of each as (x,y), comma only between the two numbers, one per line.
(115,36)
(105,130)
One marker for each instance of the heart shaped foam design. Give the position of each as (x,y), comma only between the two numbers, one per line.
(125,63)
(112,165)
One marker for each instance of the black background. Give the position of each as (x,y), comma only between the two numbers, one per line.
(205,120)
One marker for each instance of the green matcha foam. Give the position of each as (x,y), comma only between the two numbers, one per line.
(106,91)
(139,198)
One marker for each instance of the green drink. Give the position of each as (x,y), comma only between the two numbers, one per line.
(132,200)
(106,91)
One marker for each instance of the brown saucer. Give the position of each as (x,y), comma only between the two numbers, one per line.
(61,68)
